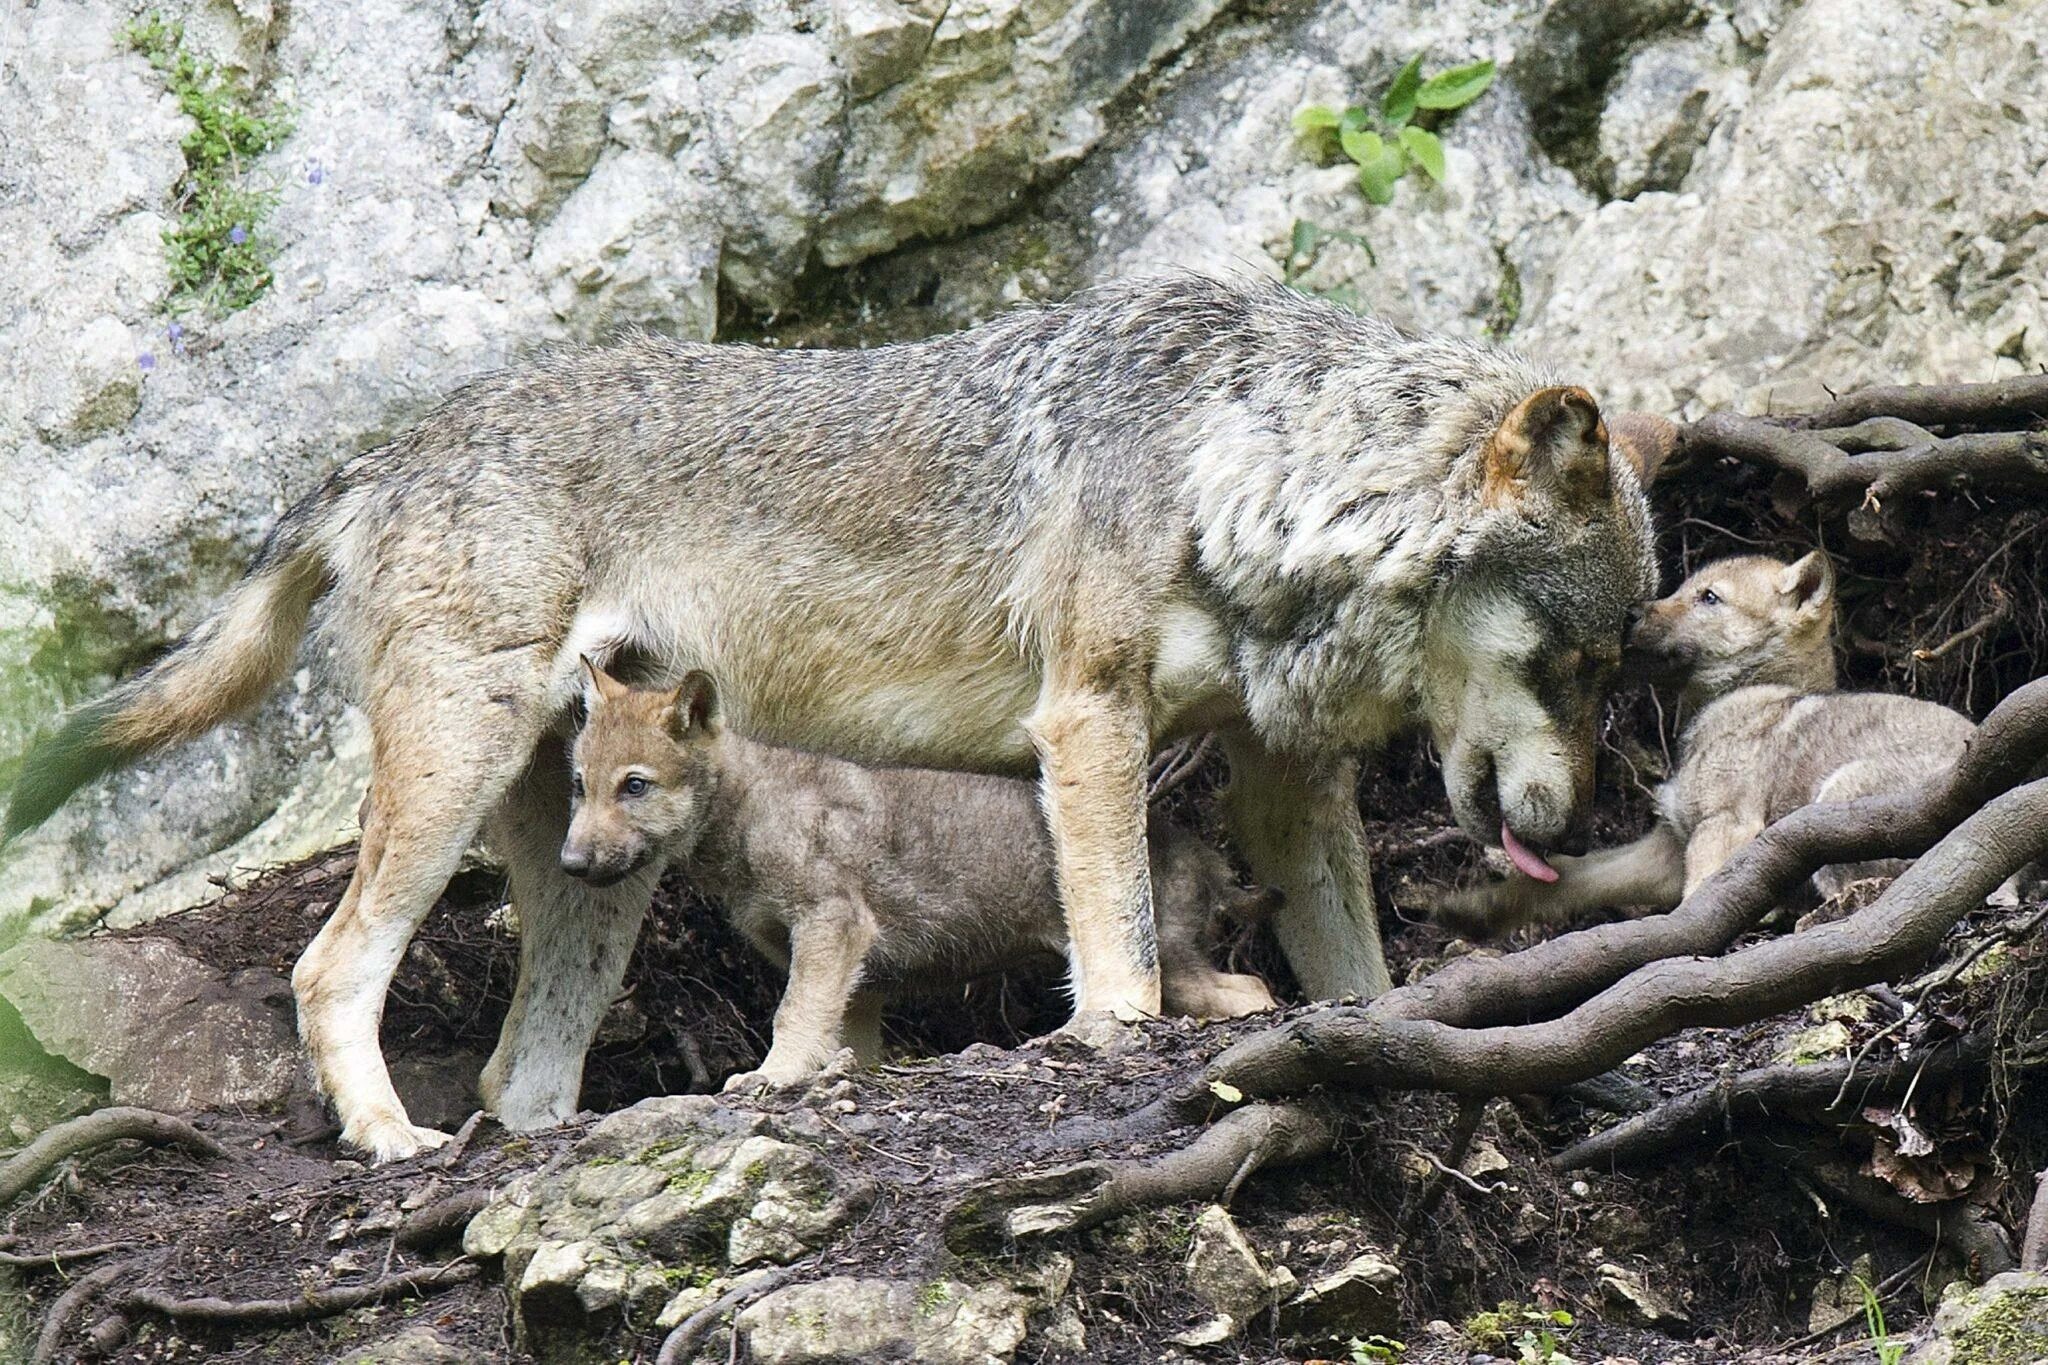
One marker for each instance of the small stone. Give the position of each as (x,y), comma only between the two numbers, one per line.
(1634,1301)
(1358,1299)
(1225,1272)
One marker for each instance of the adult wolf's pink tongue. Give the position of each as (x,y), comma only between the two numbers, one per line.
(1525,857)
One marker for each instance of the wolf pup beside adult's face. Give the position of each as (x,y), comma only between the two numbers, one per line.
(1046,545)
(1749,639)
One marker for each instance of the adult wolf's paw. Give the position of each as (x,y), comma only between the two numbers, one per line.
(389,1138)
(765,1080)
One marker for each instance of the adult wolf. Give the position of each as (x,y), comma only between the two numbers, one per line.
(1050,542)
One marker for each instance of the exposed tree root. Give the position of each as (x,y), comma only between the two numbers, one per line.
(1073,1198)
(1880,445)
(2034,1248)
(1769,1093)
(72,1303)
(1954,1223)
(681,1342)
(319,1303)
(26,1168)
(443,1220)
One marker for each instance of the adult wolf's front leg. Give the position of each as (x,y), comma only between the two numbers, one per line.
(1092,749)
(1296,822)
(574,943)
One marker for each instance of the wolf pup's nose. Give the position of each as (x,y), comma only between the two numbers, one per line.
(1632,620)
(576,862)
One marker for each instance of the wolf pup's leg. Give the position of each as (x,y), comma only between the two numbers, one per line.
(1649,872)
(1093,746)
(1297,824)
(827,943)
(438,766)
(574,943)
(1713,843)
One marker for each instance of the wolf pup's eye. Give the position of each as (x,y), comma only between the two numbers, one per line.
(635,786)
(1709,598)
(576,785)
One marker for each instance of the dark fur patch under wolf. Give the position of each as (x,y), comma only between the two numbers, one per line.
(62,763)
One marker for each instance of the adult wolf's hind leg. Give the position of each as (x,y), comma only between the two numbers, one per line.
(1092,750)
(438,765)
(574,944)
(1297,824)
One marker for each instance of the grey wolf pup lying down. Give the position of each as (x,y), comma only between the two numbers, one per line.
(1045,545)
(1752,640)
(865,883)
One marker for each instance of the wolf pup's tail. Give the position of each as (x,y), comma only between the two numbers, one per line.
(222,668)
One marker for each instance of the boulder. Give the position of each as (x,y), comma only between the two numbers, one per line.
(849,1321)
(661,1199)
(165,1031)
(2003,1321)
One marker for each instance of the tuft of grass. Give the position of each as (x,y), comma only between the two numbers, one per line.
(1889,1351)
(217,251)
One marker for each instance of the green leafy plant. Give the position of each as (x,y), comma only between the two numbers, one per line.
(218,258)
(1376,1350)
(1533,1333)
(1888,1351)
(1397,136)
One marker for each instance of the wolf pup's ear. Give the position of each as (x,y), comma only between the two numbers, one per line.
(1810,583)
(1645,440)
(603,686)
(1553,440)
(695,705)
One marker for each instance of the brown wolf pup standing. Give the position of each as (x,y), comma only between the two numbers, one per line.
(865,883)
(1752,640)
(1048,544)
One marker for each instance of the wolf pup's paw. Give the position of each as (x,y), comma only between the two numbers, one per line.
(1477,913)
(765,1080)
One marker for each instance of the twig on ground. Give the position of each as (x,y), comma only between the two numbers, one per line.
(753,1285)
(318,1303)
(1994,617)
(1175,765)
(59,1257)
(1471,1111)
(28,1166)
(451,1155)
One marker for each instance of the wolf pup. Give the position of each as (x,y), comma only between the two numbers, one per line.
(1751,638)
(863,882)
(1048,544)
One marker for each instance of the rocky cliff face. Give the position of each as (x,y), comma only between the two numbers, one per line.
(1695,202)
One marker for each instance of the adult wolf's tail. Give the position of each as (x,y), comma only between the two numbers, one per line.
(220,669)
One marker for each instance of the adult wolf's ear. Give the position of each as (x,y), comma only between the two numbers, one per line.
(1553,442)
(1645,440)
(694,705)
(1810,584)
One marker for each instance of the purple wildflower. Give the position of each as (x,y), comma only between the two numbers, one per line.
(147,360)
(176,332)
(238,234)
(315,173)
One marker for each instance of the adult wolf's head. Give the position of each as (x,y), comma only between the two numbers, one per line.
(1526,635)
(1748,619)
(641,771)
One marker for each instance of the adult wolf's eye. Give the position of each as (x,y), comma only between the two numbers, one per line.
(1709,598)
(635,786)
